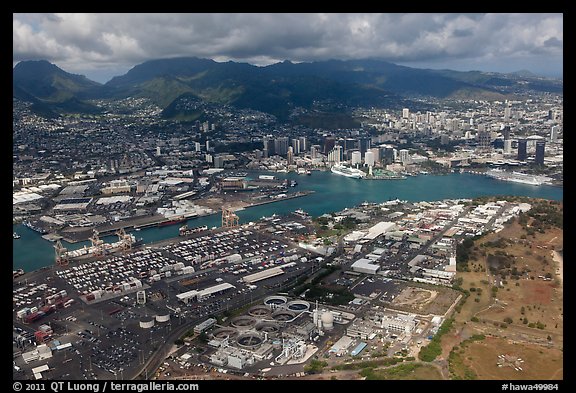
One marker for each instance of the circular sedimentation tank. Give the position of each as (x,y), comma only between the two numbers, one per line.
(224,333)
(259,311)
(249,340)
(283,315)
(268,327)
(243,322)
(275,301)
(298,306)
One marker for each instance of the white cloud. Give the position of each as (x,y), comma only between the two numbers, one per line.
(83,42)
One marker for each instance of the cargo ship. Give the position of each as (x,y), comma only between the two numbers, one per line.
(185,231)
(348,172)
(173,221)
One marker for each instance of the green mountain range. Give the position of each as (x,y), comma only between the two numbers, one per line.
(276,89)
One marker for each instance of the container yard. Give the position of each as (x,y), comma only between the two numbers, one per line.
(109,310)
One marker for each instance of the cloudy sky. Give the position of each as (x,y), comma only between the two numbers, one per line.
(104,45)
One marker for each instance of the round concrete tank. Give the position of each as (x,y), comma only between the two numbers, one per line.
(224,333)
(259,311)
(147,323)
(283,315)
(163,318)
(268,327)
(298,306)
(243,322)
(327,320)
(249,340)
(275,301)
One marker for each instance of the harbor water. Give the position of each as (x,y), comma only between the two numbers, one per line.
(331,193)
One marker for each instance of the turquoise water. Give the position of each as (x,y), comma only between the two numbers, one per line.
(331,193)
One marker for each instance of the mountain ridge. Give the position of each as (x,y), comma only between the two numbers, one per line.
(276,89)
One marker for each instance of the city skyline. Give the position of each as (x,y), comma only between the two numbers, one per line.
(101,46)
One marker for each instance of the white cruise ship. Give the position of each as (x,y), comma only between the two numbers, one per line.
(518,177)
(348,172)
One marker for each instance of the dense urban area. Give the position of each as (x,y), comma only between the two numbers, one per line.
(448,289)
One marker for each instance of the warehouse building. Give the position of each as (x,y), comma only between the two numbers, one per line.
(364,265)
(204,293)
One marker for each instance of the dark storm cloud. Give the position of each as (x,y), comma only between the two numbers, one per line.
(81,42)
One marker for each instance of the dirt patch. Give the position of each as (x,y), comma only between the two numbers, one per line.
(415,297)
(536,292)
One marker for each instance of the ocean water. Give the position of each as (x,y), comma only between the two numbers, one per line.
(331,193)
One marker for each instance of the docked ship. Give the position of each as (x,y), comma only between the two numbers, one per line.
(301,213)
(185,231)
(518,177)
(348,172)
(28,224)
(173,221)
(17,273)
(99,248)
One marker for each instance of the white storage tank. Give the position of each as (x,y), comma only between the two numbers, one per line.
(147,323)
(163,318)
(327,320)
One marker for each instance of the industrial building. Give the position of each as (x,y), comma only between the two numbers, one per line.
(204,293)
(364,265)
(207,324)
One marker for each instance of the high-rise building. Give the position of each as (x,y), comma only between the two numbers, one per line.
(281,145)
(506,133)
(290,156)
(197,146)
(389,156)
(507,146)
(356,158)
(268,149)
(303,144)
(554,133)
(295,144)
(329,143)
(405,113)
(507,113)
(376,152)
(404,156)
(483,141)
(363,144)
(315,151)
(369,158)
(336,155)
(219,161)
(522,149)
(540,147)
(207,145)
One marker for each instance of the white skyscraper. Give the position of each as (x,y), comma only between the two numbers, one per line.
(369,158)
(405,113)
(404,157)
(356,158)
(508,146)
(554,133)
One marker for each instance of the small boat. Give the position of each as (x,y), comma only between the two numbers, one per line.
(16,236)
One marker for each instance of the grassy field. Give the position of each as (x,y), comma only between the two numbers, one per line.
(514,295)
(411,371)
(539,363)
